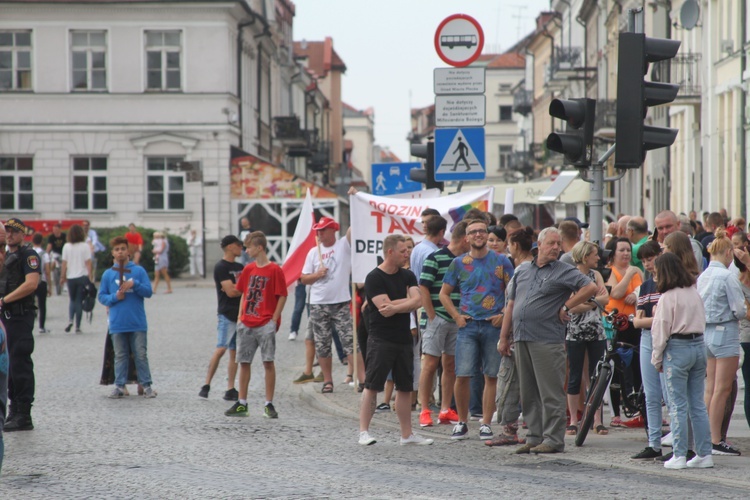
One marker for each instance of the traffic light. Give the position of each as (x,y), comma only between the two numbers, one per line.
(577,143)
(425,175)
(634,96)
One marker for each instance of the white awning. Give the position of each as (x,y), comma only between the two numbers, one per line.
(577,191)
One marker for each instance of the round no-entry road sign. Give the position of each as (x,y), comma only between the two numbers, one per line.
(459,40)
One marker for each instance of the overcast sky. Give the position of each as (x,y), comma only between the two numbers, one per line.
(387,46)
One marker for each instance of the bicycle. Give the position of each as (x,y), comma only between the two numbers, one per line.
(633,403)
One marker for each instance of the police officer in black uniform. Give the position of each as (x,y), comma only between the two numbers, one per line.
(18,281)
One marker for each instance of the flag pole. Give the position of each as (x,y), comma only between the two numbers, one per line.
(355,312)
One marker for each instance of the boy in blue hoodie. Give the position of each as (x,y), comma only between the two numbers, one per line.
(123,288)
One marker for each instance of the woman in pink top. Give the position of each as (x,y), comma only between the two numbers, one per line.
(679,352)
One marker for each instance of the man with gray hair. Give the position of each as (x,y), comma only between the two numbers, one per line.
(538,307)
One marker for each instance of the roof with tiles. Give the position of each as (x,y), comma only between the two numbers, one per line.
(321,57)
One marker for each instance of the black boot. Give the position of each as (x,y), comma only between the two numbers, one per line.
(21,420)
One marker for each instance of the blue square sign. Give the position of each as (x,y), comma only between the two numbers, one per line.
(459,154)
(393,178)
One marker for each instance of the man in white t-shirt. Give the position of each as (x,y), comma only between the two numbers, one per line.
(327,269)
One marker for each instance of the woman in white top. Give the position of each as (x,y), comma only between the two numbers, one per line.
(161,260)
(76,270)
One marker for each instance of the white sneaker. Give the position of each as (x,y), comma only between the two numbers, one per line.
(699,462)
(149,393)
(415,439)
(292,335)
(676,463)
(117,393)
(667,440)
(365,439)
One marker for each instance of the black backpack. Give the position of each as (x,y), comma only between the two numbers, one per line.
(89,300)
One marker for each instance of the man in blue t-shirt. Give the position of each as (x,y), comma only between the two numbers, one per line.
(482,276)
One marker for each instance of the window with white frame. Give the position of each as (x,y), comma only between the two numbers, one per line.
(15,60)
(16,183)
(89,60)
(506,113)
(505,154)
(165,184)
(163,53)
(90,183)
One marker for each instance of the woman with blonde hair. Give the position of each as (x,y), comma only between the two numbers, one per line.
(585,334)
(724,302)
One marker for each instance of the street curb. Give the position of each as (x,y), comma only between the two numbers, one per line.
(310,394)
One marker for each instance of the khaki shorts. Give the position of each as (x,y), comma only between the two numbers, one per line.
(439,337)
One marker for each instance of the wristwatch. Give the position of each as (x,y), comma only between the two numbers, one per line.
(565,308)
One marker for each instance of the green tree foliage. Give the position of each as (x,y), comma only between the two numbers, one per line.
(178,250)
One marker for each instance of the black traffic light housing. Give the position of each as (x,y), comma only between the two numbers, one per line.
(577,143)
(635,96)
(425,175)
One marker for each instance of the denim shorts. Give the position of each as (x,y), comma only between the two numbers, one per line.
(722,340)
(476,347)
(226,333)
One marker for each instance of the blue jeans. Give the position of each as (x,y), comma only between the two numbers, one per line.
(124,344)
(476,350)
(685,371)
(652,386)
(75,292)
(300,297)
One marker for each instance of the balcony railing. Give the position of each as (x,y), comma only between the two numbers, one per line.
(522,102)
(320,158)
(297,142)
(684,70)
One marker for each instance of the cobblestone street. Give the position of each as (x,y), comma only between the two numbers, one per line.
(178,446)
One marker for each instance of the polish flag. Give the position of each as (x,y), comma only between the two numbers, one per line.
(302,242)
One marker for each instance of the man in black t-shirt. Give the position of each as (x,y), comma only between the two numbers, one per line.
(393,294)
(226,273)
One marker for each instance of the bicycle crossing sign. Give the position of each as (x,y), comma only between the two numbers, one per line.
(459,154)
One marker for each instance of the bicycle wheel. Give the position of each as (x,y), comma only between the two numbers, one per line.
(593,402)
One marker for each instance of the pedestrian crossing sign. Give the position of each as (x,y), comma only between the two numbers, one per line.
(459,154)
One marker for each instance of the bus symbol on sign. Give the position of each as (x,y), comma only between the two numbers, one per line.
(459,40)
(451,41)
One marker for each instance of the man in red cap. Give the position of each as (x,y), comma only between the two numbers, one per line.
(327,269)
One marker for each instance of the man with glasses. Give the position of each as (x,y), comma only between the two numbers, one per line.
(481,277)
(18,282)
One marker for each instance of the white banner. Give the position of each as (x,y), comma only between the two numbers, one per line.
(375,217)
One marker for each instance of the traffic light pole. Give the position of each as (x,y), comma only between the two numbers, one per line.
(596,202)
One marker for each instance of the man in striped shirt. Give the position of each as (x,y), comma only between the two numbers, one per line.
(439,338)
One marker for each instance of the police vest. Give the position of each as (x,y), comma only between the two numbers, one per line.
(12,275)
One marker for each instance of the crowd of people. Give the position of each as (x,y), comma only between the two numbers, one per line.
(496,322)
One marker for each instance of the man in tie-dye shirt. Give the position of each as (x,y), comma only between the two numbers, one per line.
(481,276)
